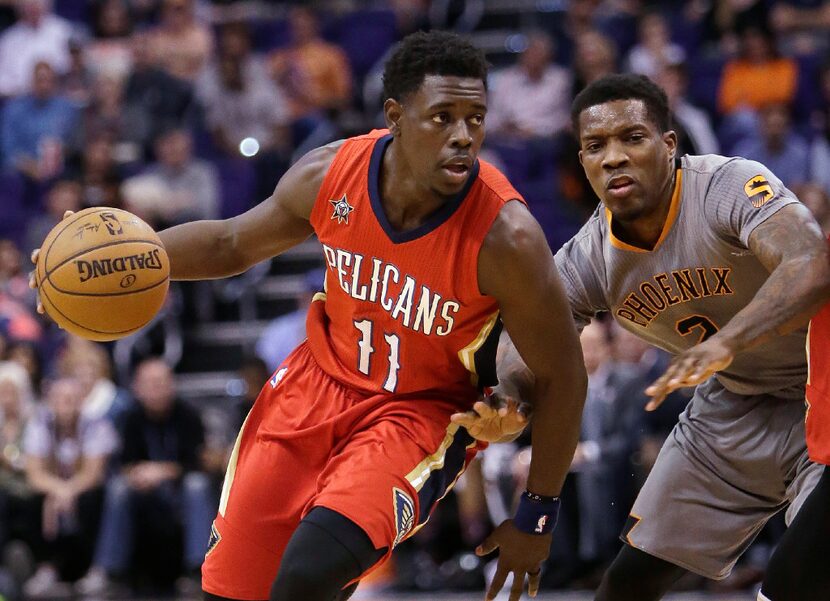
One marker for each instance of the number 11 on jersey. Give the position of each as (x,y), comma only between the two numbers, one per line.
(366,349)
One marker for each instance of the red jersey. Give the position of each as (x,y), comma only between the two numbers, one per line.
(402,311)
(818,387)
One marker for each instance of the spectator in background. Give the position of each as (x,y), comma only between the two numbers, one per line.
(95,169)
(314,74)
(817,199)
(24,353)
(595,57)
(19,511)
(14,281)
(532,98)
(109,51)
(254,111)
(655,50)
(723,21)
(89,364)
(17,319)
(234,42)
(746,83)
(777,146)
(180,44)
(161,484)
(37,37)
(805,27)
(63,196)
(284,333)
(127,128)
(36,127)
(692,125)
(66,457)
(609,437)
(76,82)
(190,187)
(820,120)
(161,100)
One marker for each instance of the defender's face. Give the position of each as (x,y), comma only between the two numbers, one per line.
(628,161)
(441,129)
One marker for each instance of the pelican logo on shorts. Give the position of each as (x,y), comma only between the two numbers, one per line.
(404,514)
(758,190)
(342,208)
(214,539)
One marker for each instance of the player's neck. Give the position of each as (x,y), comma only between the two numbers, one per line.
(645,230)
(406,201)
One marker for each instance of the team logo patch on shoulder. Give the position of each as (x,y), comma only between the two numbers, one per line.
(214,539)
(758,191)
(342,208)
(404,514)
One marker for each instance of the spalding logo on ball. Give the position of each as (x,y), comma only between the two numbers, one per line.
(102,273)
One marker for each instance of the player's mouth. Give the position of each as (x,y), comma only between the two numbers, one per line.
(457,169)
(620,186)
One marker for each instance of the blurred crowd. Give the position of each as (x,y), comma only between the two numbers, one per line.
(183,109)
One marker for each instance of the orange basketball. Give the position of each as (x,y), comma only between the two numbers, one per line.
(102,273)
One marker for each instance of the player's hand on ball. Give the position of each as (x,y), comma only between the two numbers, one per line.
(33,284)
(494,419)
(519,553)
(690,368)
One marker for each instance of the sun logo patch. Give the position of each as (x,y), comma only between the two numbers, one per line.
(404,514)
(214,539)
(342,209)
(758,191)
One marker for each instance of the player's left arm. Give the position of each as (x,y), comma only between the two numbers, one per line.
(517,268)
(792,247)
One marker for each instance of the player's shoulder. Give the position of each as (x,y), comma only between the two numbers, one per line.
(590,237)
(714,168)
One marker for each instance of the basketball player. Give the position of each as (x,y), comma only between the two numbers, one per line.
(712,259)
(350,443)
(796,570)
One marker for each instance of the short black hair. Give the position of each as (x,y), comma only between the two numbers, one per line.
(430,53)
(624,87)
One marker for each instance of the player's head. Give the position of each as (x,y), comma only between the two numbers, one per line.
(626,145)
(435,90)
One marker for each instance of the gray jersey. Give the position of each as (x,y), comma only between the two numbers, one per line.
(699,275)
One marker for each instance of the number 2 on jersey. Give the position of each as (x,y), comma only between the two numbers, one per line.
(366,349)
(705,327)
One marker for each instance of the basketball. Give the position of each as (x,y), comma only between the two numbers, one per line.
(102,273)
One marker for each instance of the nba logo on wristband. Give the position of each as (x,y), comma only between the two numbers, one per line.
(540,525)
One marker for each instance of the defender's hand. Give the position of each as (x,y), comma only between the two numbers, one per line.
(690,368)
(33,274)
(494,419)
(519,553)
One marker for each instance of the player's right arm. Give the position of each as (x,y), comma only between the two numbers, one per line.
(203,250)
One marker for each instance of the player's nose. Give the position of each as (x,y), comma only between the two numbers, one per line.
(461,137)
(614,156)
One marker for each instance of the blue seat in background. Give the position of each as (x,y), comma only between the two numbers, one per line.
(12,206)
(364,35)
(237,183)
(73,10)
(269,35)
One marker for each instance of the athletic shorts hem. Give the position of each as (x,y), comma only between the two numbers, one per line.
(680,563)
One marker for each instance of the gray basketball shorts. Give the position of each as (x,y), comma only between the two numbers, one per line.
(731,463)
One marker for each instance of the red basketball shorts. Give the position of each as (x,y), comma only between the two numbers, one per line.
(383,461)
(818,387)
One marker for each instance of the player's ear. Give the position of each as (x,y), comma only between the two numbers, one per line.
(670,140)
(392,114)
